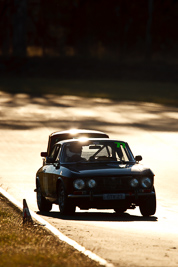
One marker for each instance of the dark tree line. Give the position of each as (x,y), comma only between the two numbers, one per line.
(113,28)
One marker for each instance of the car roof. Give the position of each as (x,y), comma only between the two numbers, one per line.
(75,132)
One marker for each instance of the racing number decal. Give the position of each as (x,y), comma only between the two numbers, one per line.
(119,143)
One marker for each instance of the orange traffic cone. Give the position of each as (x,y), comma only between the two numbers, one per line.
(26,213)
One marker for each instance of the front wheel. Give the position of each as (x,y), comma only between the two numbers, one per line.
(65,205)
(148,206)
(42,203)
(120,210)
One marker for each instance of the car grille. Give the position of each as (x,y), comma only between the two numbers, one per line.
(113,184)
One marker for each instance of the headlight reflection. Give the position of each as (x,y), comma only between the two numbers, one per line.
(79,184)
(146,182)
(91,183)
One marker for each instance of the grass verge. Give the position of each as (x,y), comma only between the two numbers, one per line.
(32,245)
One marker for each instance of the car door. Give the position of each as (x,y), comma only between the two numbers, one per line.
(53,171)
(43,177)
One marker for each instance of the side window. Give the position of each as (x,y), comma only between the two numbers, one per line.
(57,158)
(54,153)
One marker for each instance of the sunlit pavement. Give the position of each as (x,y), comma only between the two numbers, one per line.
(151,131)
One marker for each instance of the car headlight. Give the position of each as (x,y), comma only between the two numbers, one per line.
(79,184)
(91,183)
(146,182)
(134,182)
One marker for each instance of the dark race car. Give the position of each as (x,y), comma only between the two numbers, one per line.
(95,173)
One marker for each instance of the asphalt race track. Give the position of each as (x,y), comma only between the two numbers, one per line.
(151,131)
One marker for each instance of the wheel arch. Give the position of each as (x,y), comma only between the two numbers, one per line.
(59,181)
(37,180)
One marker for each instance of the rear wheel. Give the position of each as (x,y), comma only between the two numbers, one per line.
(148,206)
(42,203)
(65,205)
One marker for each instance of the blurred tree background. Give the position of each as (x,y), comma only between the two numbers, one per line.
(89,38)
(98,28)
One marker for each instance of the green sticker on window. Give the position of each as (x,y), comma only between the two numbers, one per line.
(119,143)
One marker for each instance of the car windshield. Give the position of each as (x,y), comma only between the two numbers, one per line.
(96,151)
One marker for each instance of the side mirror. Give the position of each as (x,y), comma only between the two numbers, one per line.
(44,154)
(138,158)
(57,165)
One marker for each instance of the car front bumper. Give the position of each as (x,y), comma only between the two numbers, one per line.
(115,196)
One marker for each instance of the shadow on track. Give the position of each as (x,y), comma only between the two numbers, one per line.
(44,112)
(99,216)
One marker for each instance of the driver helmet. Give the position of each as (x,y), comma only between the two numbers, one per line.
(73,149)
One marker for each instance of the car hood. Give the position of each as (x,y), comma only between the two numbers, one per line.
(108,169)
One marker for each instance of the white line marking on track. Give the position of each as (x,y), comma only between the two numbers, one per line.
(57,233)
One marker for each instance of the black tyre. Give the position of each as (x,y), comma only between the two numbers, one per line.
(148,206)
(42,203)
(65,205)
(120,210)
